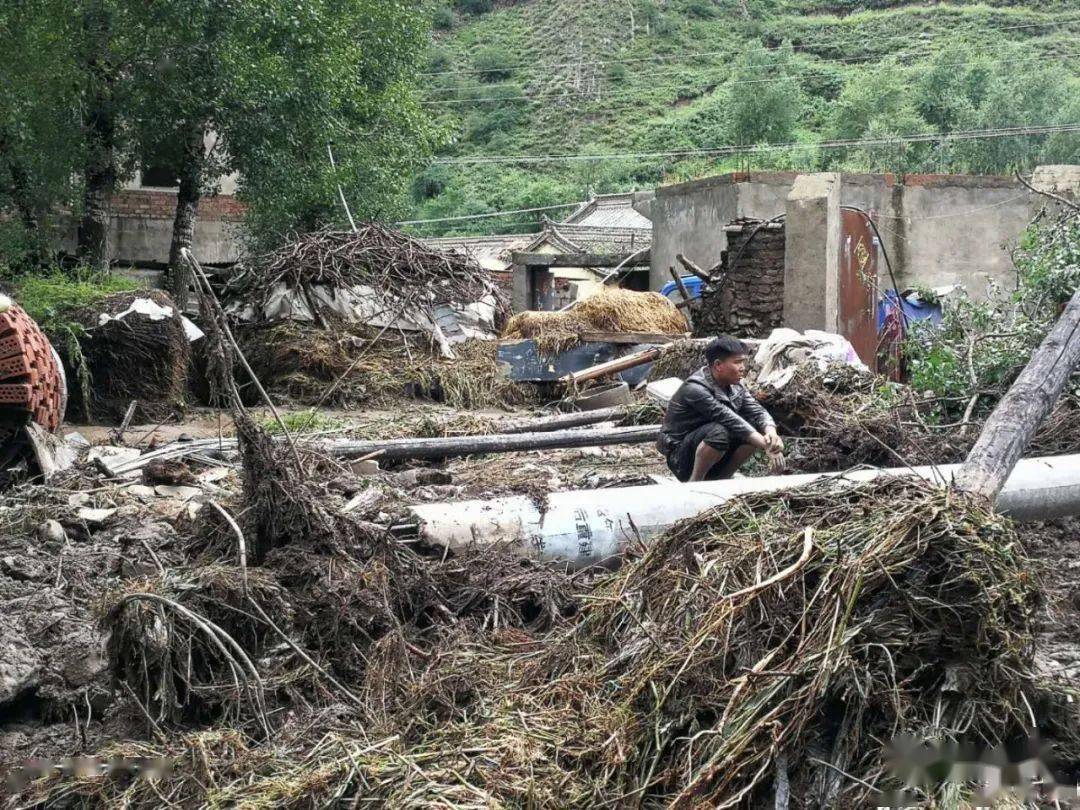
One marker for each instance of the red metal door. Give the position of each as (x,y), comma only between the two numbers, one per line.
(858,286)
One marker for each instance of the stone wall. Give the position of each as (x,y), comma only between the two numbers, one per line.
(750,300)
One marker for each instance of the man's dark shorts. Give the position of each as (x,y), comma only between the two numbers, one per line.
(680,459)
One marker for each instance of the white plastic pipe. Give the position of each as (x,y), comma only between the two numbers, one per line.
(590,527)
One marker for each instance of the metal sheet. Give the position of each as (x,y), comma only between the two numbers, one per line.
(857,282)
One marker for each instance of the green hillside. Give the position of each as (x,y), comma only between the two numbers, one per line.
(633,78)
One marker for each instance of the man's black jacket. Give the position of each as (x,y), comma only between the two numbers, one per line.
(701,400)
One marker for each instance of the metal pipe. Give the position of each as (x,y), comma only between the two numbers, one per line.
(593,527)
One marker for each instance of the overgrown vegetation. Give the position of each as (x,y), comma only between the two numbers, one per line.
(50,299)
(981,346)
(602,77)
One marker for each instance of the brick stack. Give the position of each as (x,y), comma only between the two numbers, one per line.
(30,378)
(749,301)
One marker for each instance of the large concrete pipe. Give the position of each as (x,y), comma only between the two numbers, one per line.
(590,527)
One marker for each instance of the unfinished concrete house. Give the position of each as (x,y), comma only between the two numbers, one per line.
(846,237)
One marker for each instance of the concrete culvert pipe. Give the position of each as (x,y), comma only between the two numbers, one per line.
(591,527)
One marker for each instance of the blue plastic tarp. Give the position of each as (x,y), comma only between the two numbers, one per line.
(911,305)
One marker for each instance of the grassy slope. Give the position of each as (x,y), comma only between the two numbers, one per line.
(667,100)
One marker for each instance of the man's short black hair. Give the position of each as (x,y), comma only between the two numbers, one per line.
(723,347)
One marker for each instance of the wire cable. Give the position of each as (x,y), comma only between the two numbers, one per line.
(957,135)
(635,98)
(685,55)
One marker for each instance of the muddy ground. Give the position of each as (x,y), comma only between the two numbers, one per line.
(66,545)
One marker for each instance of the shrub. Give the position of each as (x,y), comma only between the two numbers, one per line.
(439,60)
(443,18)
(49,298)
(616,72)
(703,9)
(494,64)
(474,6)
(483,124)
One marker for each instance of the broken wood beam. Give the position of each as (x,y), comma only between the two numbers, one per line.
(410,448)
(490,443)
(612,366)
(1018,415)
(565,420)
(693,268)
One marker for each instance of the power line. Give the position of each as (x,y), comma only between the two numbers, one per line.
(674,69)
(688,55)
(959,135)
(539,97)
(486,216)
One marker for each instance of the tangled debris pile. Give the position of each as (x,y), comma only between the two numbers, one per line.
(374,272)
(350,318)
(348,367)
(339,663)
(129,346)
(610,310)
(842,418)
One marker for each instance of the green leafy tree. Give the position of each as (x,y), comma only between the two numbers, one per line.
(302,77)
(766,101)
(878,105)
(40,128)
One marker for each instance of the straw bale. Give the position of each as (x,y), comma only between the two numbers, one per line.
(610,310)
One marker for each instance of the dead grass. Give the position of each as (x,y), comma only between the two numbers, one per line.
(612,310)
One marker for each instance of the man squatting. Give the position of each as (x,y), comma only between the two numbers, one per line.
(713,424)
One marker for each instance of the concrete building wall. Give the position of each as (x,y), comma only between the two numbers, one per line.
(937,229)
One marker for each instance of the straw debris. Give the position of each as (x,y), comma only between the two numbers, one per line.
(611,310)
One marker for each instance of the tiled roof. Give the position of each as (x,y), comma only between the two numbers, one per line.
(609,210)
(492,252)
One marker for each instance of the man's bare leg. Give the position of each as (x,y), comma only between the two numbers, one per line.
(738,458)
(705,458)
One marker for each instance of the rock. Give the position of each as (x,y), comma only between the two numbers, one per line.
(368,467)
(213,475)
(20,664)
(363,501)
(424,477)
(95,517)
(76,439)
(52,533)
(179,493)
(23,568)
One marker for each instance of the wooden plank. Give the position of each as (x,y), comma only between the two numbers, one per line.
(613,366)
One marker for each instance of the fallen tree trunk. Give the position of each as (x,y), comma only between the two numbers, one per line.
(491,443)
(414,447)
(1018,415)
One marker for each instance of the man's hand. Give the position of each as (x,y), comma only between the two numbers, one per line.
(758,442)
(773,442)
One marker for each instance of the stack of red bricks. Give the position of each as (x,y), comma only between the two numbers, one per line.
(30,378)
